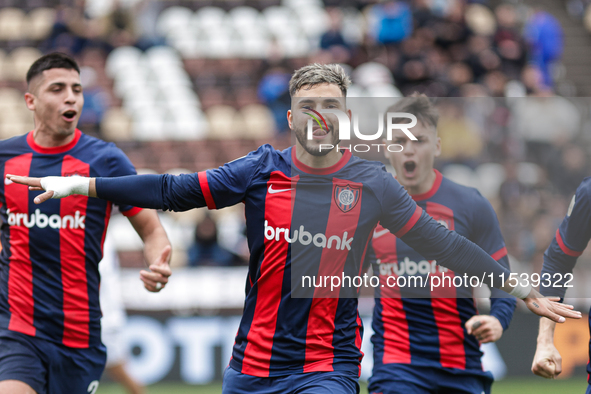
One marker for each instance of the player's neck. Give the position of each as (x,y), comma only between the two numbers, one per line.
(325,161)
(422,187)
(51,139)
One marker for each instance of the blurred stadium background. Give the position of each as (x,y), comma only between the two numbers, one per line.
(186,85)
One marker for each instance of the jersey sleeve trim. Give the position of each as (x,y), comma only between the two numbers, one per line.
(499,254)
(564,248)
(205,189)
(411,222)
(131,212)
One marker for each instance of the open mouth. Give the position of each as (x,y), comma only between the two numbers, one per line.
(69,115)
(409,168)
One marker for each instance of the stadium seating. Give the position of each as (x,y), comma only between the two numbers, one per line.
(12,24)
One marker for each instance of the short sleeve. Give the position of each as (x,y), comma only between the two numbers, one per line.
(120,165)
(486,231)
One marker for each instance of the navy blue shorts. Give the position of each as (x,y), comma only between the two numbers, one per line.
(302,383)
(410,379)
(48,367)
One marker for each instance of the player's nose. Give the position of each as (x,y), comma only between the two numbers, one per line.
(71,96)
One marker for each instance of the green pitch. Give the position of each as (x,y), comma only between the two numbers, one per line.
(509,386)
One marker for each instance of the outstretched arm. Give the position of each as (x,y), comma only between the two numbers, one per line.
(217,188)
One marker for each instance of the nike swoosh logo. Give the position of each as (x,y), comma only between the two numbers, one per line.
(7,181)
(378,234)
(273,191)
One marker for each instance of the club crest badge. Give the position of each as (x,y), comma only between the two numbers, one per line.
(346,197)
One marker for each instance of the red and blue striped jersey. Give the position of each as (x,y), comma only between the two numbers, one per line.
(49,280)
(428,329)
(571,239)
(302,221)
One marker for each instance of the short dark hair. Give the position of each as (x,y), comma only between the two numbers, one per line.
(420,106)
(49,61)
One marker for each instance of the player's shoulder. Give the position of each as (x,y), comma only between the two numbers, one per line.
(371,168)
(584,189)
(267,153)
(88,142)
(464,196)
(18,141)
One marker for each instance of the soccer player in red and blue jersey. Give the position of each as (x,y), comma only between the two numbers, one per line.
(560,258)
(50,340)
(309,212)
(424,340)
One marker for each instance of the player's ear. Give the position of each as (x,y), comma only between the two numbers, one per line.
(290,119)
(30,101)
(349,114)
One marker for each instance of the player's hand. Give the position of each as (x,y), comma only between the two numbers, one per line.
(485,328)
(547,361)
(34,184)
(550,307)
(54,186)
(157,278)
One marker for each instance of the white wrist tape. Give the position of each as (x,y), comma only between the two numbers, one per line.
(66,186)
(521,291)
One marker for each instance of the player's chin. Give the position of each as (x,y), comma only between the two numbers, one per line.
(319,150)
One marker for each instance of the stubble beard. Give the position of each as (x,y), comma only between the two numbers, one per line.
(314,150)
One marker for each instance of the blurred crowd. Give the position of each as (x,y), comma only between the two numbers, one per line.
(493,64)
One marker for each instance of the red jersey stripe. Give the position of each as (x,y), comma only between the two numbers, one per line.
(321,325)
(205,189)
(449,326)
(20,275)
(131,212)
(278,211)
(499,254)
(411,222)
(445,307)
(564,248)
(396,331)
(73,261)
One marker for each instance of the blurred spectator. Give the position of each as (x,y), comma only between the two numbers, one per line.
(333,36)
(96,101)
(273,90)
(461,140)
(567,172)
(205,249)
(544,36)
(508,41)
(512,189)
(544,124)
(393,22)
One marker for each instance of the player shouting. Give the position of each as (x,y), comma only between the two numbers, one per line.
(50,339)
(308,211)
(560,258)
(424,341)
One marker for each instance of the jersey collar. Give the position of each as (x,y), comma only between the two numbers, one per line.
(432,191)
(320,171)
(56,149)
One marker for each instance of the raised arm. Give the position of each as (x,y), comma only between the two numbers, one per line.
(433,241)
